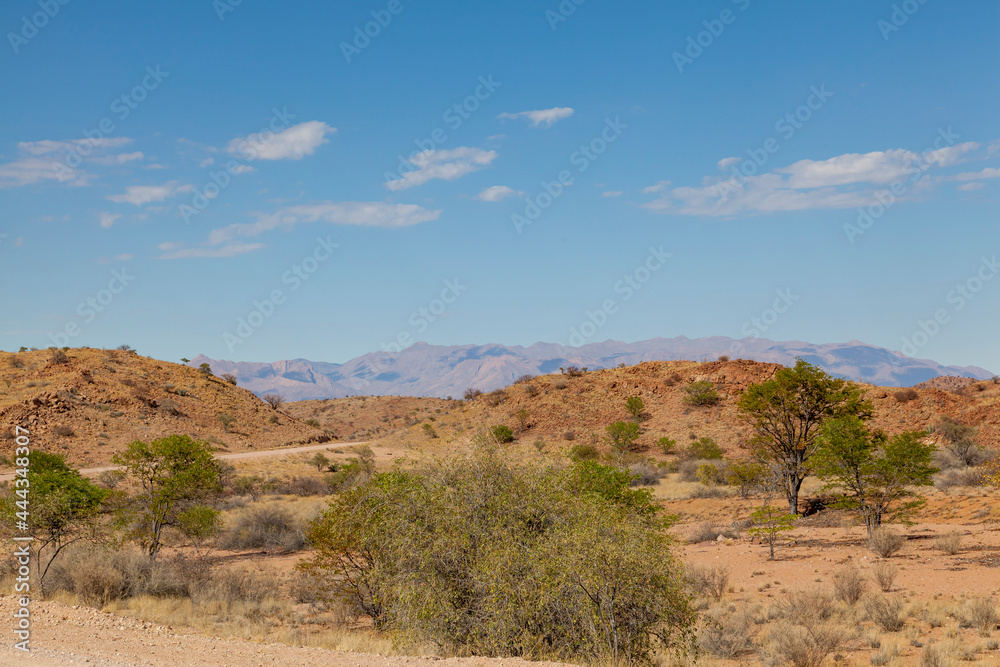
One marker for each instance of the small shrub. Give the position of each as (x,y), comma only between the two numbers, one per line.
(729,633)
(709,532)
(569,436)
(58,357)
(666,444)
(269,527)
(804,645)
(583,452)
(63,431)
(227,421)
(887,653)
(849,584)
(723,357)
(205,369)
(981,614)
(886,611)
(709,581)
(502,434)
(709,475)
(304,486)
(949,543)
(429,430)
(273,399)
(813,605)
(885,543)
(311,422)
(701,393)
(645,473)
(495,398)
(748,476)
(635,407)
(884,575)
(906,395)
(472,394)
(229,377)
(932,656)
(524,378)
(623,436)
(704,448)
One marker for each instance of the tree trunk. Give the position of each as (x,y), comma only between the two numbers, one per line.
(794,483)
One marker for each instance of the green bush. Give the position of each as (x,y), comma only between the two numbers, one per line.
(710,475)
(704,448)
(502,434)
(701,393)
(623,436)
(666,445)
(584,452)
(480,556)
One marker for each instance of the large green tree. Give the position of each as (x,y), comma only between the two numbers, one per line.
(63,507)
(877,473)
(787,411)
(176,475)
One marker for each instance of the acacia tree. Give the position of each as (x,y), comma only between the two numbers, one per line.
(65,507)
(787,411)
(877,472)
(176,475)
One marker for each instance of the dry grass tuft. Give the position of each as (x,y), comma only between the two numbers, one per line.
(885,543)
(849,584)
(729,633)
(949,543)
(886,611)
(884,575)
(709,581)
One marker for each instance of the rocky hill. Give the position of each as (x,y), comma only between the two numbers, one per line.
(441,371)
(89,403)
(561,410)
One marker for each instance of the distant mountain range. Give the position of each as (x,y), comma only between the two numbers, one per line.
(438,370)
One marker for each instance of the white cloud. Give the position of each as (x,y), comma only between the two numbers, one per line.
(612,193)
(243,169)
(124,257)
(541,117)
(970,187)
(144,194)
(658,187)
(293,143)
(50,160)
(843,181)
(363,214)
(230,250)
(106,219)
(207,162)
(446,165)
(989,172)
(496,193)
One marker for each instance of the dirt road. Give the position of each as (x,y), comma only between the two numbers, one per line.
(91,472)
(64,635)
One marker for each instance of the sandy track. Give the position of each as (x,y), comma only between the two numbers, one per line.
(65,635)
(264,453)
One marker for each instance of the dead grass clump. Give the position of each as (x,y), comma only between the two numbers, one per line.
(729,633)
(645,473)
(303,486)
(234,585)
(709,532)
(63,431)
(932,656)
(885,543)
(269,527)
(949,543)
(849,584)
(884,575)
(906,395)
(806,604)
(709,581)
(803,645)
(495,398)
(886,655)
(886,611)
(981,614)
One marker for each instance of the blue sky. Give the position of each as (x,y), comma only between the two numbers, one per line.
(167,170)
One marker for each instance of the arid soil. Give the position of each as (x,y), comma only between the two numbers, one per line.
(72,635)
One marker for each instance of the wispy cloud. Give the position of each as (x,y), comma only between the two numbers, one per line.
(106,219)
(843,181)
(144,194)
(445,165)
(61,161)
(171,251)
(496,193)
(612,193)
(293,143)
(362,214)
(541,117)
